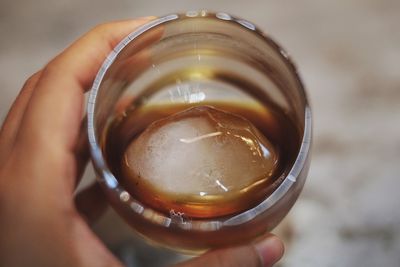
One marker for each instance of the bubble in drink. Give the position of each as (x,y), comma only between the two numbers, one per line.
(202,162)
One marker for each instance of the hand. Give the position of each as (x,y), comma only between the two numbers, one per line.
(41,160)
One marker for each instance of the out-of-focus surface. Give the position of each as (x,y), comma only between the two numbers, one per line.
(347,53)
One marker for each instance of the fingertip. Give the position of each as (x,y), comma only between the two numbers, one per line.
(270,250)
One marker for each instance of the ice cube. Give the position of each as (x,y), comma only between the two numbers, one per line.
(200,157)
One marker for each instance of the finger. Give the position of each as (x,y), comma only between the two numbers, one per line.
(50,125)
(56,105)
(91,203)
(81,151)
(266,252)
(11,123)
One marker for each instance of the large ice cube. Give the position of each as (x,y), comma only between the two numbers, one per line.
(202,156)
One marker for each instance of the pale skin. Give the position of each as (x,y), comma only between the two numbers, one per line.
(42,159)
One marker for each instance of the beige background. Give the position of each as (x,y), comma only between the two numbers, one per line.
(348,53)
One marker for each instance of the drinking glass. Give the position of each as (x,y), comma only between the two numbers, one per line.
(226,59)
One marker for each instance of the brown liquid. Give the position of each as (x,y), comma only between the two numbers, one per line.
(272,124)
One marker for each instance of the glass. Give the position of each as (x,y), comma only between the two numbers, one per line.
(194,59)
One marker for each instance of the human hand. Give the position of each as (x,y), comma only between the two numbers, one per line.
(42,159)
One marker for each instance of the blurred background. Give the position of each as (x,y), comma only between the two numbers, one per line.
(348,54)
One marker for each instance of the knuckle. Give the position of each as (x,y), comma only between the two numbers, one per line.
(51,68)
(103,27)
(31,81)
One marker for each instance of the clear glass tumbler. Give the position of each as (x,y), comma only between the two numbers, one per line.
(195,58)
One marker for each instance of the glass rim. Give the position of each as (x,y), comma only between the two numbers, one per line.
(106,177)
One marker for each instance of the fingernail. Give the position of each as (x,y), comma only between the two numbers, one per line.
(270,250)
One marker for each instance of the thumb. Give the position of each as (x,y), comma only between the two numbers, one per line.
(265,252)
